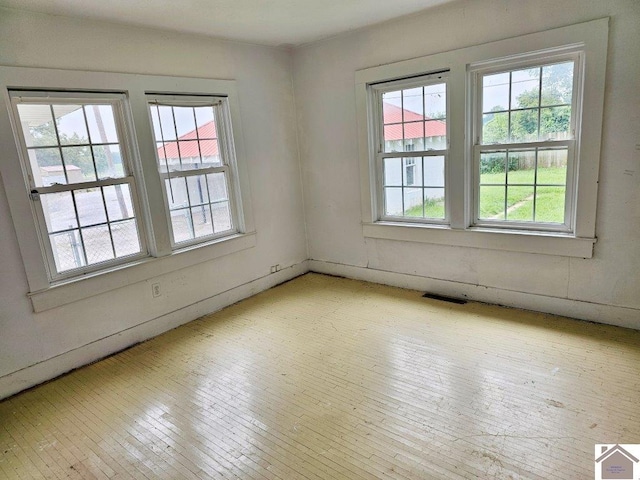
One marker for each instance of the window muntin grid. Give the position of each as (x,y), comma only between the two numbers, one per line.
(528,104)
(524,155)
(192,162)
(412,139)
(83,191)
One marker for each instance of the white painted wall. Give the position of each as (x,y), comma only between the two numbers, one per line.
(605,288)
(34,347)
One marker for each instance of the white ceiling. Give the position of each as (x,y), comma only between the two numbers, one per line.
(267,22)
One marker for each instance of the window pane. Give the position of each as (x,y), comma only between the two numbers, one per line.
(434,203)
(392,107)
(118,199)
(72,127)
(177,193)
(58,211)
(97,244)
(393,201)
(46,166)
(557,84)
(436,135)
(79,164)
(221,217)
(197,190)
(210,153)
(434,171)
(108,161)
(202,220)
(155,120)
(525,88)
(125,238)
(495,128)
(522,167)
(37,125)
(185,122)
(520,204)
(550,203)
(190,154)
(182,225)
(206,124)
(392,171)
(412,171)
(217,185)
(555,123)
(435,101)
(67,250)
(552,166)
(412,103)
(524,126)
(393,138)
(492,203)
(412,131)
(413,202)
(102,124)
(90,206)
(495,92)
(493,168)
(167,126)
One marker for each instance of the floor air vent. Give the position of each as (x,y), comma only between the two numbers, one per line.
(444,299)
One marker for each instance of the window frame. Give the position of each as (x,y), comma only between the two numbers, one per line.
(162,259)
(375,92)
(118,101)
(228,161)
(591,38)
(537,59)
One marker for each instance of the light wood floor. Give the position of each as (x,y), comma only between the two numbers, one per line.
(324,378)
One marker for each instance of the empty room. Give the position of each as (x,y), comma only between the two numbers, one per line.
(321,239)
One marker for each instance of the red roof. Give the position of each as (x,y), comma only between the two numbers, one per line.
(187,144)
(413,124)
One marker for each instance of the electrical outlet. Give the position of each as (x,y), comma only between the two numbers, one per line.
(155,290)
(273,268)
(277,267)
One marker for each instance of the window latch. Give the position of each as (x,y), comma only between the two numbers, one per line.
(34,195)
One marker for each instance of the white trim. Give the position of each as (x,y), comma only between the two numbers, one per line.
(96,283)
(144,168)
(50,368)
(552,243)
(596,312)
(592,38)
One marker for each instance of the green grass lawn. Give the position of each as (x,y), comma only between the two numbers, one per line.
(549,200)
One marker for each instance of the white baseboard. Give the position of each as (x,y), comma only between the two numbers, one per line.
(53,367)
(595,312)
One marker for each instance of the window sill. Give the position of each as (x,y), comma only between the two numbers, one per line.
(79,288)
(509,240)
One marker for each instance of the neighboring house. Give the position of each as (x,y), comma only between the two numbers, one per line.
(197,148)
(408,131)
(55,174)
(616,463)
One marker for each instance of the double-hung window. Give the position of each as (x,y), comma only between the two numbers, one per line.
(123,184)
(194,150)
(525,143)
(77,159)
(500,151)
(411,142)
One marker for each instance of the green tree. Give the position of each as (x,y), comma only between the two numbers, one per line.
(555,111)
